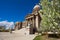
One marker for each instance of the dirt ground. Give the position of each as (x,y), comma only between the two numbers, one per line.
(45,37)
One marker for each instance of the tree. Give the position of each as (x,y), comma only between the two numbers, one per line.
(51,15)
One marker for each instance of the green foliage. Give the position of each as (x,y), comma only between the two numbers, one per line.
(51,15)
(38,38)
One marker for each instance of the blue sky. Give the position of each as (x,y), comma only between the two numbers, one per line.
(16,10)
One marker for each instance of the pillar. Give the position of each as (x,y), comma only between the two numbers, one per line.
(37,21)
(31,26)
(34,25)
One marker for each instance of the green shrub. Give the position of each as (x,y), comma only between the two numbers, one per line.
(38,38)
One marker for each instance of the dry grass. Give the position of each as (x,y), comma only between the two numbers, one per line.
(45,37)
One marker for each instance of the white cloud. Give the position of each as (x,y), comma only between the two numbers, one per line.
(7,24)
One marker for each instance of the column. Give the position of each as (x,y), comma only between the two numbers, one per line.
(37,21)
(31,26)
(33,21)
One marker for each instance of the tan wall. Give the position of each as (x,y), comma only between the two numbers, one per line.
(18,25)
(24,23)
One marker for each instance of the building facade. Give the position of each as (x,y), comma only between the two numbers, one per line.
(18,25)
(34,19)
(31,20)
(24,24)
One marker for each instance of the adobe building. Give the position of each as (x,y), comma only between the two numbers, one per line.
(34,19)
(18,25)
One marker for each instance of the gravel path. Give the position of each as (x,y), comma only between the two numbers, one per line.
(15,36)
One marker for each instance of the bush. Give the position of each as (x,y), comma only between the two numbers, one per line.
(4,30)
(38,38)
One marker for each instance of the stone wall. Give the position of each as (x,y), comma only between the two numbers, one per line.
(18,25)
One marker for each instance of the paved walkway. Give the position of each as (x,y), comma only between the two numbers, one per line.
(18,35)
